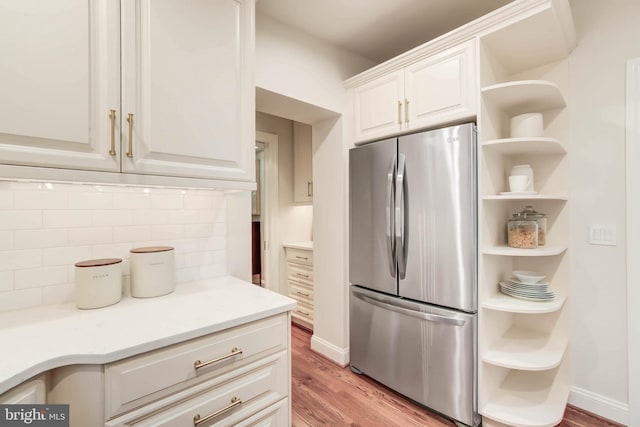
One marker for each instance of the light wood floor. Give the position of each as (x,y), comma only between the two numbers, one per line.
(325,394)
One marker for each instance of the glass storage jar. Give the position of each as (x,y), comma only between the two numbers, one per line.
(522,233)
(529,213)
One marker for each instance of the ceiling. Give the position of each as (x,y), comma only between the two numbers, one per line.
(376,29)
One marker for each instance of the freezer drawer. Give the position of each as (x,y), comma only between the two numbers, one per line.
(424,352)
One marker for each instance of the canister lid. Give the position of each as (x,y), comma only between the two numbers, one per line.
(529,213)
(150,249)
(98,262)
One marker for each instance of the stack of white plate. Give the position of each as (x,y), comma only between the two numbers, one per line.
(527,285)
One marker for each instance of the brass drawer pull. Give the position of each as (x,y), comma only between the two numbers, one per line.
(302,293)
(130,121)
(306,276)
(399,112)
(112,117)
(234,402)
(302,257)
(304,313)
(406,111)
(234,352)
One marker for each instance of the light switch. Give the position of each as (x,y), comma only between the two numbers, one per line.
(602,234)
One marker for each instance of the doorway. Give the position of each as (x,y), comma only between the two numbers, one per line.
(264,215)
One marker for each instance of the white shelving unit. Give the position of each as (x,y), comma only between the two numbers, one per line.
(524,345)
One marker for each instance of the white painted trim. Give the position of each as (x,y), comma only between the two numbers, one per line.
(330,351)
(271,210)
(633,237)
(599,405)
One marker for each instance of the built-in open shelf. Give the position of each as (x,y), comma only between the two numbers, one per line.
(539,251)
(527,350)
(528,399)
(526,197)
(502,302)
(524,96)
(525,146)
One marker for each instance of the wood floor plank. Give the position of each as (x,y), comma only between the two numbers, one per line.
(325,394)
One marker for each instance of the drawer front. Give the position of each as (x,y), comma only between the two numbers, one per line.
(276,415)
(301,273)
(303,311)
(27,393)
(301,293)
(300,256)
(133,382)
(244,396)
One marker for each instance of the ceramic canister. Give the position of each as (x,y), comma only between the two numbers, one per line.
(98,282)
(152,271)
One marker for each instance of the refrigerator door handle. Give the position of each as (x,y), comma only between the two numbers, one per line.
(390,218)
(419,314)
(399,218)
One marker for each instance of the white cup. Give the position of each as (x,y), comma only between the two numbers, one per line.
(518,183)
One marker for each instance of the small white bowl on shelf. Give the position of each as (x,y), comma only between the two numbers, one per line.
(526,276)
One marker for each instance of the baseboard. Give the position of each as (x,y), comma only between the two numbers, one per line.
(599,405)
(330,351)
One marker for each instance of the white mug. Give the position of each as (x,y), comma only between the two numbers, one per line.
(518,183)
(524,170)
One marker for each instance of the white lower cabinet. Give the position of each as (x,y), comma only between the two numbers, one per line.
(32,392)
(240,376)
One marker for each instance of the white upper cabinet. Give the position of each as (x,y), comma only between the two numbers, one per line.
(438,89)
(59,79)
(160,88)
(302,163)
(187,85)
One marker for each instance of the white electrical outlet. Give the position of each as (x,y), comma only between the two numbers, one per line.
(602,234)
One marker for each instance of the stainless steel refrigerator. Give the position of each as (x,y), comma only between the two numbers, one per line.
(413,267)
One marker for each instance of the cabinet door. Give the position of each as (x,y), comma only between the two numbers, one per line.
(31,392)
(441,89)
(188,84)
(377,107)
(59,79)
(302,163)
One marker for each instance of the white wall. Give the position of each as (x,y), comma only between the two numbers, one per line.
(608,35)
(302,67)
(46,228)
(295,221)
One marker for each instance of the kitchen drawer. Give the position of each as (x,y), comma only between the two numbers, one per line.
(244,396)
(303,311)
(299,256)
(301,293)
(276,415)
(27,393)
(134,382)
(301,273)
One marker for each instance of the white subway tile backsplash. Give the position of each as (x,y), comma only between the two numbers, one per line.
(6,240)
(112,217)
(43,199)
(6,281)
(16,259)
(38,277)
(90,236)
(22,298)
(45,228)
(20,219)
(66,218)
(132,200)
(167,201)
(166,232)
(132,233)
(41,238)
(66,255)
(57,294)
(90,200)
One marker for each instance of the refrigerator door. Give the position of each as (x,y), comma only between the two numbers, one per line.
(424,352)
(437,218)
(371,223)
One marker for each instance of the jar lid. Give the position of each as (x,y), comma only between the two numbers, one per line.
(529,212)
(150,249)
(98,262)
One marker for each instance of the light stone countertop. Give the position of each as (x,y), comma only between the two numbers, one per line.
(38,339)
(308,245)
